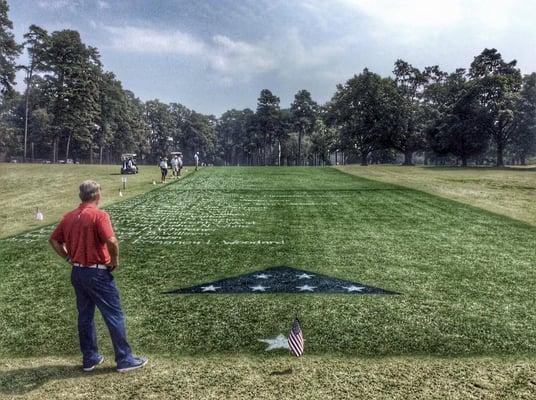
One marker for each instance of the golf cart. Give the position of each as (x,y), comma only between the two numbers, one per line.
(128,164)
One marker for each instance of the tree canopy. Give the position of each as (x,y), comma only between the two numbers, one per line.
(73,108)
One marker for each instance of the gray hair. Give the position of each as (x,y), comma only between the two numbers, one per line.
(89,190)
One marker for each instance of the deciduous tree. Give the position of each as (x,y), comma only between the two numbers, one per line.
(365,110)
(498,84)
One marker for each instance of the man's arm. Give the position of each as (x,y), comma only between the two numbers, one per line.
(113,247)
(58,247)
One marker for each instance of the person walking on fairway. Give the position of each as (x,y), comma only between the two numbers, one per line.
(180,164)
(163,169)
(175,166)
(85,238)
(196,159)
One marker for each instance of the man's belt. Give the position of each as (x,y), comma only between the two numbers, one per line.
(98,266)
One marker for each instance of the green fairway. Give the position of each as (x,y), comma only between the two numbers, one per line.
(465,275)
(54,189)
(506,191)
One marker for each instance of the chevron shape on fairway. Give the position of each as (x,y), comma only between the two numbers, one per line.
(282,279)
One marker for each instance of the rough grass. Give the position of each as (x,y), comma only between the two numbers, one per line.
(506,191)
(465,274)
(54,189)
(241,377)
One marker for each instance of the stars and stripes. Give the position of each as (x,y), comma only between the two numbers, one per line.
(353,288)
(283,280)
(306,288)
(295,339)
(259,288)
(210,288)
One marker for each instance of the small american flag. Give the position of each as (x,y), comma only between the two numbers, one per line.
(295,339)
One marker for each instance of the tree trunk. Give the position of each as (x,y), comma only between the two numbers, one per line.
(100,154)
(464,160)
(26,108)
(299,146)
(54,152)
(67,147)
(500,151)
(408,157)
(523,159)
(364,155)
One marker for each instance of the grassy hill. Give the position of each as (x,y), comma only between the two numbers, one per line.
(506,191)
(465,276)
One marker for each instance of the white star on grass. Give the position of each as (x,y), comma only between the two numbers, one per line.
(353,288)
(304,276)
(262,276)
(210,288)
(306,288)
(259,288)
(279,342)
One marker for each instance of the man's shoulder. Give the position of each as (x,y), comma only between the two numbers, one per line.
(97,212)
(69,214)
(101,213)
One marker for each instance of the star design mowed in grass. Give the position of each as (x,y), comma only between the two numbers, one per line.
(282,280)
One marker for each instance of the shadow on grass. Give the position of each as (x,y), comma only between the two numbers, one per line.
(24,380)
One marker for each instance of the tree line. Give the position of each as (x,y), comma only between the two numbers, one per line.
(72,108)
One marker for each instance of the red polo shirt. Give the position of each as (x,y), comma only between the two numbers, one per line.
(84,232)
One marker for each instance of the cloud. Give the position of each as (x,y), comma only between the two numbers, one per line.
(445,32)
(58,4)
(438,13)
(103,5)
(72,5)
(415,13)
(415,20)
(234,57)
(147,40)
(230,60)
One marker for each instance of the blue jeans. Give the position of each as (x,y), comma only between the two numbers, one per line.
(96,287)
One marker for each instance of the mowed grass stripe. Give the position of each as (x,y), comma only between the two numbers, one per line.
(466,275)
(506,191)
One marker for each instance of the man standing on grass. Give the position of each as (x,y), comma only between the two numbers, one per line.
(175,166)
(163,169)
(180,163)
(85,238)
(196,159)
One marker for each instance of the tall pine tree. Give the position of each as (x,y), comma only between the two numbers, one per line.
(9,50)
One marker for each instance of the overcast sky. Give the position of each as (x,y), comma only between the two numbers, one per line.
(216,55)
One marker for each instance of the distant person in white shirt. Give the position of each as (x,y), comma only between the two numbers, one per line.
(163,169)
(180,164)
(175,166)
(196,159)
